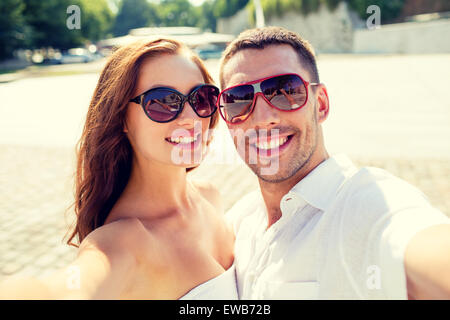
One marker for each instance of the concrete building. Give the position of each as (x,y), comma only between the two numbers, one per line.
(192,37)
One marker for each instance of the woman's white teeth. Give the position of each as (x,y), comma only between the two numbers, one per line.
(271,144)
(183,139)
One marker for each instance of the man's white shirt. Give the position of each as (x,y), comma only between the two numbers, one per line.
(342,235)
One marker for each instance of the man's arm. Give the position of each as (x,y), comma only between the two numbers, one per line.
(427,264)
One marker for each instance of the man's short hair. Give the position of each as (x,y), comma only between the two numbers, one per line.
(260,38)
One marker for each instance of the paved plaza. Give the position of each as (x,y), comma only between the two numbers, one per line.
(391,112)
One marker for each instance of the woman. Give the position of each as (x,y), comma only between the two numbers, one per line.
(146,230)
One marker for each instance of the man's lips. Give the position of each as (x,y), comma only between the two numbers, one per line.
(276,147)
(269,142)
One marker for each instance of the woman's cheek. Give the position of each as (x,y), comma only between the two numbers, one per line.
(206,131)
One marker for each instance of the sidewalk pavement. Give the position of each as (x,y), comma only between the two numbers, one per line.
(54,70)
(36,191)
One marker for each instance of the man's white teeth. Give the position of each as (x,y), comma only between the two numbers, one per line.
(183,139)
(271,144)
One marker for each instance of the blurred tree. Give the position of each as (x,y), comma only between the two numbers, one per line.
(47,22)
(227,8)
(135,14)
(390,10)
(38,24)
(11,26)
(207,19)
(178,13)
(96,19)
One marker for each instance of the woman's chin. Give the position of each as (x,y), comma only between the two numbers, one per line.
(187,158)
(187,165)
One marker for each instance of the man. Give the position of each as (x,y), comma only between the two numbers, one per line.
(318,228)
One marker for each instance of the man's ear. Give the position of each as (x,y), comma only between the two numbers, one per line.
(323,103)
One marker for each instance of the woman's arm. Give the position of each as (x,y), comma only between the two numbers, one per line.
(104,267)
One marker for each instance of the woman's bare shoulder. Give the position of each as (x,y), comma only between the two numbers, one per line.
(125,235)
(124,225)
(209,192)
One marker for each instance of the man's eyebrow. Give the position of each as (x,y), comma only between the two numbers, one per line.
(236,81)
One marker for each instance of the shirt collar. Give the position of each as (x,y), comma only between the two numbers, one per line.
(320,186)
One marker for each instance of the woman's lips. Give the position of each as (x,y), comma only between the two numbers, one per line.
(185,142)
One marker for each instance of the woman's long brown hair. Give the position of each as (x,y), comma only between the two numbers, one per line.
(104,153)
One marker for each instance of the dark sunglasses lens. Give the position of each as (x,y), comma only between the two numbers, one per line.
(287,92)
(161,105)
(236,103)
(204,100)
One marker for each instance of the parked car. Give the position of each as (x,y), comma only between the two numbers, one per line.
(76,55)
(209,52)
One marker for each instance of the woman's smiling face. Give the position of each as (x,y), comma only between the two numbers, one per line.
(168,143)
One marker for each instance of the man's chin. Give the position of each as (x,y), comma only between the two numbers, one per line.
(278,172)
(266,174)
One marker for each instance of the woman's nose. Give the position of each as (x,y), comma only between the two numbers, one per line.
(188,116)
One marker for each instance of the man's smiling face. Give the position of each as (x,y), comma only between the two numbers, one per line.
(295,134)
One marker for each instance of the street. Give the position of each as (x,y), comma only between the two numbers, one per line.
(387,111)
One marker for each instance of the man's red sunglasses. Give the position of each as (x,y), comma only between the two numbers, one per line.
(285,92)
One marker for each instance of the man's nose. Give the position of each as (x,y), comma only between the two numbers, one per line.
(264,115)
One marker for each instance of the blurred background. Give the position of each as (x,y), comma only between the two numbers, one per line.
(387,81)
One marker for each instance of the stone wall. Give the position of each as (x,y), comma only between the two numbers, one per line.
(342,31)
(407,37)
(234,24)
(328,31)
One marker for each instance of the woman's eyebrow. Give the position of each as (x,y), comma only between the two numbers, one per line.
(196,86)
(171,87)
(161,85)
(154,87)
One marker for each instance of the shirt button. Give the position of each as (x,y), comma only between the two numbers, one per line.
(289,203)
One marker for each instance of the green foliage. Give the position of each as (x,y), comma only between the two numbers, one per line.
(227,8)
(11,26)
(280,7)
(178,13)
(168,13)
(390,10)
(96,19)
(38,24)
(135,14)
(47,23)
(332,4)
(207,20)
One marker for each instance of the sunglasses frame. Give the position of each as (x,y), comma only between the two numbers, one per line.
(185,98)
(256,84)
